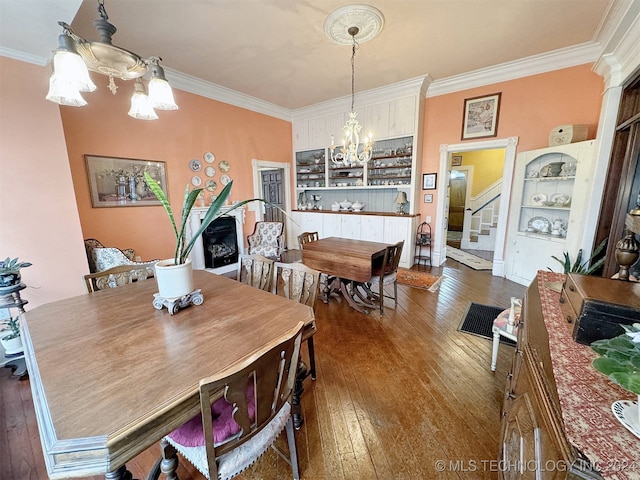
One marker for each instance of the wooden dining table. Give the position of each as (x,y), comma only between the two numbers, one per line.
(350,262)
(111,375)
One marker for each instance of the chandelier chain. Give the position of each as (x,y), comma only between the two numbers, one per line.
(353,70)
(102,11)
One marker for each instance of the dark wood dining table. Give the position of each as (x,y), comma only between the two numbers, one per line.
(111,375)
(350,262)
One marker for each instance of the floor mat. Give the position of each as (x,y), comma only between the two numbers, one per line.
(478,320)
(418,279)
(468,259)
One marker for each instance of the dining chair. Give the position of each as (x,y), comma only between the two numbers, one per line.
(256,271)
(243,410)
(299,283)
(306,237)
(267,240)
(386,274)
(325,280)
(117,276)
(505,325)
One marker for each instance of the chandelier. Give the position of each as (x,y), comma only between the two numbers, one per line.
(75,56)
(366,21)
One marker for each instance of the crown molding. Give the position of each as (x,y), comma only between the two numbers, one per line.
(23,56)
(546,62)
(210,90)
(410,87)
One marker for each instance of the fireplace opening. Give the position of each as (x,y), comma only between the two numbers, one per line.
(220,243)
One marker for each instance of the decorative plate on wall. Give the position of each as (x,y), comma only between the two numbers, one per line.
(210,171)
(196,181)
(224,166)
(209,157)
(195,165)
(211,185)
(224,179)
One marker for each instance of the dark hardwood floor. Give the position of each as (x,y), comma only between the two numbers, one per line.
(394,396)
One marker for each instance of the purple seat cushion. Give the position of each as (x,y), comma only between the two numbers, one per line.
(190,434)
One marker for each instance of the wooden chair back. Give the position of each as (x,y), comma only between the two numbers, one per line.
(116,277)
(256,271)
(296,282)
(392,258)
(272,374)
(307,237)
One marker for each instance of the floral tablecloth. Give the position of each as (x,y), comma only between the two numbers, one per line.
(586,395)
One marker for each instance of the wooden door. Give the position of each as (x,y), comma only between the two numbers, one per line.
(457,197)
(273,192)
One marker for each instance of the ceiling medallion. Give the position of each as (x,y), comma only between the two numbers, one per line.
(369,21)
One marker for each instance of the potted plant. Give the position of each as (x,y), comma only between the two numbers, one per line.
(10,271)
(620,362)
(12,343)
(180,265)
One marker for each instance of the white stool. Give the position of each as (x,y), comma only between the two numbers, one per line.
(505,325)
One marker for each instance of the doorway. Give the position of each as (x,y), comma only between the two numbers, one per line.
(457,204)
(276,184)
(441,221)
(273,193)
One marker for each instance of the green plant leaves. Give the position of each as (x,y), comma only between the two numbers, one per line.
(619,361)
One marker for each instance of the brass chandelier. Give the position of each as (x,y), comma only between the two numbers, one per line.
(75,56)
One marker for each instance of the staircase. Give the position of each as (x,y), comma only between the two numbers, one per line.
(481,219)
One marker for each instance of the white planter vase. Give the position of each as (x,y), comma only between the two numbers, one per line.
(174,280)
(11,346)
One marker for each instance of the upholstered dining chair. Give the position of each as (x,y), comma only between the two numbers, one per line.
(243,411)
(386,274)
(267,240)
(299,283)
(256,271)
(116,277)
(102,258)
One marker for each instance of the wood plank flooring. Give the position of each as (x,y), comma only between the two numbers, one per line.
(394,394)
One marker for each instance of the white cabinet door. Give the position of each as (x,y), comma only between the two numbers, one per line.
(301,135)
(331,225)
(401,228)
(402,117)
(372,228)
(376,120)
(318,135)
(350,226)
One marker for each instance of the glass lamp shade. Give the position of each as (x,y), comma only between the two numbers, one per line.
(70,67)
(161,95)
(140,106)
(64,93)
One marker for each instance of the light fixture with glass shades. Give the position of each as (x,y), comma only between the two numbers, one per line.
(357,24)
(75,56)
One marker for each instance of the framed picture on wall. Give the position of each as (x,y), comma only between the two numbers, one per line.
(480,117)
(428,198)
(429,181)
(456,160)
(119,182)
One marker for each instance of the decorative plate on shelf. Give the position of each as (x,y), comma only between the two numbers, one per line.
(626,411)
(538,199)
(196,181)
(560,199)
(224,179)
(209,157)
(211,185)
(224,166)
(210,171)
(539,224)
(195,165)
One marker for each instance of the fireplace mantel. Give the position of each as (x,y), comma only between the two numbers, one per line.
(197,254)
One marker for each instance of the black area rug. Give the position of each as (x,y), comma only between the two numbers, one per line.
(478,320)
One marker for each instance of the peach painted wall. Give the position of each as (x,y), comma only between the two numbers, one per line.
(200,125)
(529,108)
(38,215)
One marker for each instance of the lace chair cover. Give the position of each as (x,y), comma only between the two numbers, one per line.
(108,257)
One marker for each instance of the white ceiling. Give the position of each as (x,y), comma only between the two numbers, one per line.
(277,51)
